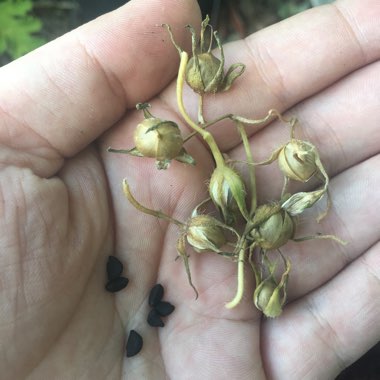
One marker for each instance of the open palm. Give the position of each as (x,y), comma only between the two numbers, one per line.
(63,212)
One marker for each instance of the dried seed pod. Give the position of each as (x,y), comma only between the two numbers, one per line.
(268,298)
(227,191)
(134,343)
(154,319)
(270,295)
(116,284)
(204,72)
(205,233)
(164,308)
(159,139)
(298,160)
(114,268)
(273,226)
(299,202)
(156,294)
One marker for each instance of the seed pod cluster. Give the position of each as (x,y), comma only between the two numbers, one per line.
(235,227)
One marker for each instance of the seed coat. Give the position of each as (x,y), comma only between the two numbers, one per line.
(154,319)
(134,343)
(116,284)
(156,294)
(164,308)
(114,268)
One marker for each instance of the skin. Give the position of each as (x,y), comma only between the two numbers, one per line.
(63,211)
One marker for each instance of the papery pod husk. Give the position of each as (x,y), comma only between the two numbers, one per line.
(233,73)
(227,191)
(297,160)
(270,295)
(267,298)
(204,73)
(264,212)
(274,231)
(158,139)
(299,202)
(205,233)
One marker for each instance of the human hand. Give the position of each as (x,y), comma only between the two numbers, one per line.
(63,211)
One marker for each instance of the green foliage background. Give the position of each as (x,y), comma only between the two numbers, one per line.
(17,28)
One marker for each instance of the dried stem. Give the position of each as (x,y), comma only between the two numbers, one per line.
(251,168)
(201,119)
(219,160)
(271,113)
(140,207)
(313,237)
(240,278)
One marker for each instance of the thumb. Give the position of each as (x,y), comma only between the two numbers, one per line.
(59,98)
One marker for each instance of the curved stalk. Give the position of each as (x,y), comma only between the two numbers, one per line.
(219,160)
(251,168)
(145,210)
(271,113)
(240,279)
(201,119)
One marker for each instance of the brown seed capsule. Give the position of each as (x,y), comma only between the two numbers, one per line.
(270,295)
(273,227)
(205,233)
(114,268)
(267,298)
(298,160)
(158,138)
(156,294)
(164,308)
(227,191)
(116,284)
(134,343)
(204,72)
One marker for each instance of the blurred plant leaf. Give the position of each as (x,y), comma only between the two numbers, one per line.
(17,28)
(316,3)
(290,8)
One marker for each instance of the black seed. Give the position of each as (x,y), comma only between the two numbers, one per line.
(154,319)
(134,343)
(116,284)
(156,294)
(164,308)
(114,268)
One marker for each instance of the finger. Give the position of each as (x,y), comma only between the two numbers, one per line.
(59,98)
(352,218)
(292,60)
(329,329)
